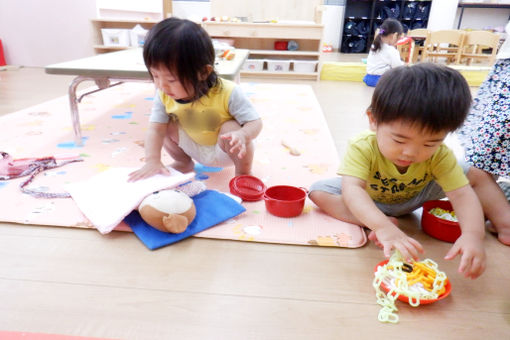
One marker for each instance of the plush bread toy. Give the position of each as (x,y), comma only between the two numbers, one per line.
(168,210)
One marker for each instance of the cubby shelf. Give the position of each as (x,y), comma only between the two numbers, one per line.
(260,39)
(363,17)
(98,24)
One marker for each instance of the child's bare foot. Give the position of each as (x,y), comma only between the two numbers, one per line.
(183,167)
(503,233)
(372,237)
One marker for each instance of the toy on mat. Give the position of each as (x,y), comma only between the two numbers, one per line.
(292,150)
(171,210)
(14,168)
(415,283)
(444,214)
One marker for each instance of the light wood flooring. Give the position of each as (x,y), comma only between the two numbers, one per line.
(79,282)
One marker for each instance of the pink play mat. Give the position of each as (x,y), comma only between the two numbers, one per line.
(114,122)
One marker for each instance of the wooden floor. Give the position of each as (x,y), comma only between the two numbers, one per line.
(78,282)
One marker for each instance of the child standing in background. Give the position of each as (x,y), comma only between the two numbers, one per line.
(383,54)
(486,138)
(196,115)
(393,169)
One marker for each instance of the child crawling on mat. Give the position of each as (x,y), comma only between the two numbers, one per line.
(402,162)
(196,115)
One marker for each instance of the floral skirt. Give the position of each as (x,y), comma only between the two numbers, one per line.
(485,134)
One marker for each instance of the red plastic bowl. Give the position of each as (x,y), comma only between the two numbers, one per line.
(403,298)
(436,227)
(285,200)
(249,188)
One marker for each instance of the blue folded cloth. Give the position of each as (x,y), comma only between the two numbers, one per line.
(212,206)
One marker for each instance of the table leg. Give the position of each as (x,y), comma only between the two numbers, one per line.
(102,83)
(75,116)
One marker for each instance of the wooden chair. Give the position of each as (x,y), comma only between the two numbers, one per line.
(419,34)
(444,44)
(475,42)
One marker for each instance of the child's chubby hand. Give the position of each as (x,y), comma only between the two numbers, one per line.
(237,142)
(148,170)
(472,261)
(390,237)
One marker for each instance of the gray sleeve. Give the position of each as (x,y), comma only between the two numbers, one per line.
(158,112)
(240,107)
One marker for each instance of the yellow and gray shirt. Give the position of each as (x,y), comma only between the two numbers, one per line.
(385,184)
(202,119)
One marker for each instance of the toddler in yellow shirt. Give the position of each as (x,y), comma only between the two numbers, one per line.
(403,162)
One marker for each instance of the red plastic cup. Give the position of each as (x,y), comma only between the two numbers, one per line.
(285,200)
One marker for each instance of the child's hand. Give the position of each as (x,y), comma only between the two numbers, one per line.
(237,142)
(391,237)
(472,261)
(148,170)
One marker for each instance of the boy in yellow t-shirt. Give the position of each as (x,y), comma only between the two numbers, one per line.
(403,162)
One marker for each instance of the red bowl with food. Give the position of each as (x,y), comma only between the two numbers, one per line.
(285,200)
(442,229)
(403,298)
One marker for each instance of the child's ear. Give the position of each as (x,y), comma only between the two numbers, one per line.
(371,121)
(205,72)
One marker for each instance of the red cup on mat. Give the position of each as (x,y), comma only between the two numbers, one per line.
(285,200)
(249,188)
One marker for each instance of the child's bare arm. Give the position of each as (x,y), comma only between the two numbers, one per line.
(153,145)
(470,244)
(239,138)
(364,209)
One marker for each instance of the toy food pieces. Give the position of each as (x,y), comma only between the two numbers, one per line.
(444,214)
(292,150)
(419,282)
(228,54)
(168,210)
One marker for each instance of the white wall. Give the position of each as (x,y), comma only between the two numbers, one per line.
(479,18)
(333,21)
(442,15)
(192,10)
(38,33)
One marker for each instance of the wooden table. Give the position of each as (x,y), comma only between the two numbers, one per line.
(119,67)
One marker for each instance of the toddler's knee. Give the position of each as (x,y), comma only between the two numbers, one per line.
(316,196)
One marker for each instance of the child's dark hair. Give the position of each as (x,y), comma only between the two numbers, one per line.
(434,97)
(185,49)
(388,27)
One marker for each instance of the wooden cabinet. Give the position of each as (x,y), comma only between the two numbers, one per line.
(363,17)
(260,38)
(98,24)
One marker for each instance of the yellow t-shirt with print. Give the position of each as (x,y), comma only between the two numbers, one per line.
(202,119)
(385,184)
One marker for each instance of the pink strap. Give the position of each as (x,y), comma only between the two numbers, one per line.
(31,166)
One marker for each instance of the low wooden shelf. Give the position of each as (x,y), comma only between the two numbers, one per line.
(260,39)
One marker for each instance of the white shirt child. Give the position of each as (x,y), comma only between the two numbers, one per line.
(383,60)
